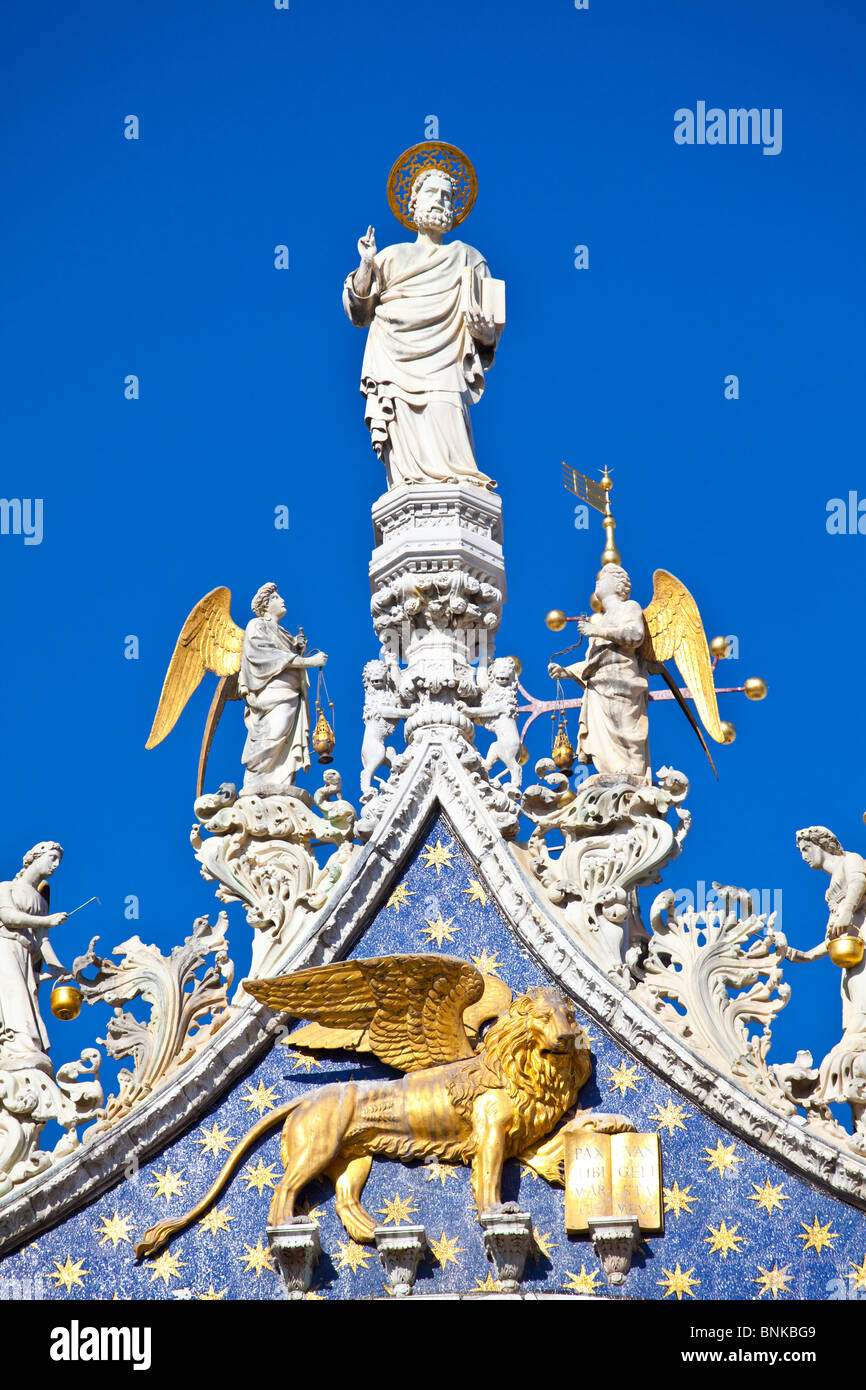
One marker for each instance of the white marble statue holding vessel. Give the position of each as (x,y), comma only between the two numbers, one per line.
(260,839)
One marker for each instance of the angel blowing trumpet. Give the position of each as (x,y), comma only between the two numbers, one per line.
(465,1098)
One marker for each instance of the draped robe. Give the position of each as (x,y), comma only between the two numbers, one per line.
(24,1033)
(274,686)
(422,368)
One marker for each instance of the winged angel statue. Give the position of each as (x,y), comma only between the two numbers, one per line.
(625,645)
(265,666)
(465,1098)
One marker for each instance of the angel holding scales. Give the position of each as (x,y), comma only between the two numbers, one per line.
(434,316)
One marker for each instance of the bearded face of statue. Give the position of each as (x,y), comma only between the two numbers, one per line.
(434,204)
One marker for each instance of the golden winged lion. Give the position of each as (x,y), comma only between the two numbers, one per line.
(465,1097)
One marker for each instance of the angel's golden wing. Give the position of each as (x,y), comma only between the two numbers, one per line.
(674,631)
(411,1007)
(208,641)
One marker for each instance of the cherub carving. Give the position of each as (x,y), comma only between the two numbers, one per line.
(465,1098)
(498,711)
(382,713)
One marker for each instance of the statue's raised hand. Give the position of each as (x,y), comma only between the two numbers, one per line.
(367,247)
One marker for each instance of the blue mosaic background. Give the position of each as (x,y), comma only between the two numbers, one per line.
(720,1240)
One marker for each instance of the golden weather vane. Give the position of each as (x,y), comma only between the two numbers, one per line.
(672,630)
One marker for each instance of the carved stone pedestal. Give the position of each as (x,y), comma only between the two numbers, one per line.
(508,1242)
(401,1249)
(296,1248)
(614,1240)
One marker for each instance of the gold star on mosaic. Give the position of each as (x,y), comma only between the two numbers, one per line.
(678,1282)
(622,1078)
(816,1236)
(774,1281)
(400,897)
(69,1273)
(168,1184)
(724,1240)
(582,1282)
(487,965)
(475,892)
(670,1116)
(256,1258)
(446,1250)
(678,1199)
(440,930)
(114,1228)
(312,1213)
(260,1097)
(438,856)
(212,1295)
(543,1243)
(259,1177)
(442,1171)
(303,1060)
(859,1275)
(488,1285)
(721,1159)
(215,1139)
(397,1209)
(216,1220)
(352,1256)
(313,1297)
(768,1196)
(166,1266)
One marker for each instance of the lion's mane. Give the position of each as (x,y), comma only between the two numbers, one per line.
(542,1085)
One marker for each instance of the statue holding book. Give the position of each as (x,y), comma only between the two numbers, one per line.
(434,316)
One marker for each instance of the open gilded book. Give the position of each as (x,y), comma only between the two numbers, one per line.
(612,1175)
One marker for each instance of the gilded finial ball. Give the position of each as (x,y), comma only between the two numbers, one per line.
(729,731)
(556,620)
(846,951)
(518,664)
(523,755)
(755,688)
(65,1002)
(720,647)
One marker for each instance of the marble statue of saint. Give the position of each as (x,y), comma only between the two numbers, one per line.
(27,958)
(846,901)
(614,729)
(842,1073)
(273,682)
(429,344)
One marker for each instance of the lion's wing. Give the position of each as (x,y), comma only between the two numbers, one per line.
(412,1005)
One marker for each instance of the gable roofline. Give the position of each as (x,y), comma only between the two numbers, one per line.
(434,782)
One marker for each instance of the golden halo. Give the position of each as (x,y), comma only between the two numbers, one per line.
(432,154)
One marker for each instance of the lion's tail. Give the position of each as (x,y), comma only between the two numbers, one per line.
(160,1234)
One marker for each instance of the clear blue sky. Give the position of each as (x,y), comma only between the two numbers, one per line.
(155,257)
